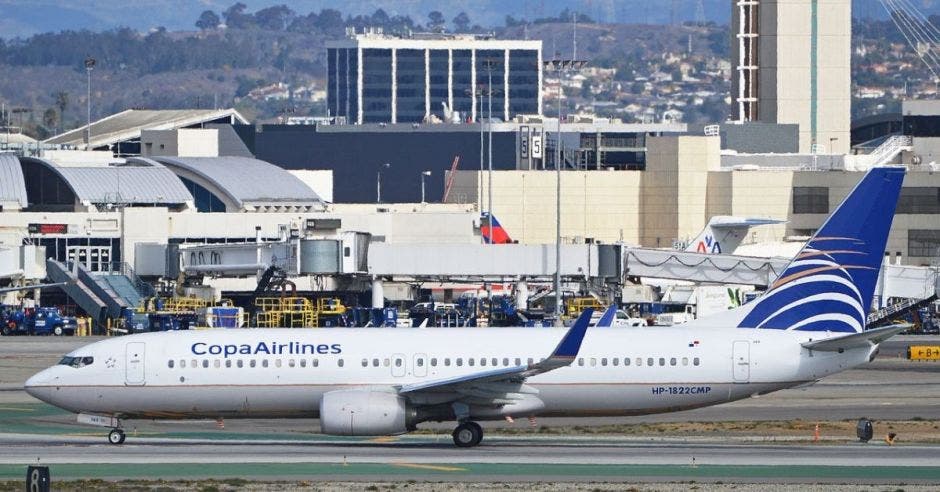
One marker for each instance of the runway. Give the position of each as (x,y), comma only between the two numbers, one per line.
(523,458)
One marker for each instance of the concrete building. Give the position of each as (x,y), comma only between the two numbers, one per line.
(792,64)
(686,181)
(377,78)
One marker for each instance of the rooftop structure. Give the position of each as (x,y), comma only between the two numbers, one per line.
(120,132)
(240,184)
(12,183)
(377,78)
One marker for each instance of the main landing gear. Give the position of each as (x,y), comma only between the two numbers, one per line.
(468,434)
(116,436)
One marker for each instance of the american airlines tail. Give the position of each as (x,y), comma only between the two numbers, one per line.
(368,382)
(724,233)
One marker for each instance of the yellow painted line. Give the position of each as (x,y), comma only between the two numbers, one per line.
(14,409)
(430,467)
(384,439)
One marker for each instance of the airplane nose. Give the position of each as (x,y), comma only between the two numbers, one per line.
(33,386)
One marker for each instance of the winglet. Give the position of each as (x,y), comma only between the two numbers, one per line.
(607,319)
(570,345)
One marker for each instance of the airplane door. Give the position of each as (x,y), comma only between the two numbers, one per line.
(398,365)
(420,366)
(134,363)
(741,358)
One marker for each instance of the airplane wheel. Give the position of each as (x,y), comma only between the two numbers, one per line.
(116,436)
(468,434)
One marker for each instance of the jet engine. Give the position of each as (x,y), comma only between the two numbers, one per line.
(365,413)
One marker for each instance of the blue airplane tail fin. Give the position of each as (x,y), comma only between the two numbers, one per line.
(829,285)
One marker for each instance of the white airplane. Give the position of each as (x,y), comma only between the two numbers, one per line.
(724,233)
(374,381)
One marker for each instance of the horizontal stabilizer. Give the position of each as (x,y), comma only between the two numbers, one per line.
(856,340)
(724,222)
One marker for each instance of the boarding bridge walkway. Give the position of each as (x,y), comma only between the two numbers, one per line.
(77,290)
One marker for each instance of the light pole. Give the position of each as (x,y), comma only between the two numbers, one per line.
(559,66)
(473,97)
(89,66)
(423,175)
(489,65)
(378,182)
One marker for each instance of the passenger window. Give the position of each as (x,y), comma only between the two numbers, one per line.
(420,362)
(459,361)
(169,363)
(315,362)
(650,361)
(264,362)
(626,361)
(662,361)
(529,361)
(604,361)
(303,363)
(291,363)
(471,362)
(447,361)
(581,361)
(205,363)
(615,361)
(397,362)
(240,364)
(251,363)
(340,363)
(685,361)
(216,364)
(365,362)
(385,362)
(505,361)
(375,362)
(483,361)
(228,363)
(672,361)
(193,363)
(494,362)
(277,362)
(593,362)
(518,361)
(182,364)
(695,361)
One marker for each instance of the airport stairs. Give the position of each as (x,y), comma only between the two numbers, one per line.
(77,290)
(888,150)
(101,294)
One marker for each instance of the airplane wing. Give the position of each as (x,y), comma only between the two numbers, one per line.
(856,340)
(563,355)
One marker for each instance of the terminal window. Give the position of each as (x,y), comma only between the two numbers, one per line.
(810,200)
(919,200)
(923,242)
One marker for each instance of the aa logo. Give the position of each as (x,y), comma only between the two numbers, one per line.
(708,245)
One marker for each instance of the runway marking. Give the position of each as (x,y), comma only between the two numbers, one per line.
(429,467)
(384,439)
(15,409)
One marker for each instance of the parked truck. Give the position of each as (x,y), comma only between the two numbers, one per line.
(36,321)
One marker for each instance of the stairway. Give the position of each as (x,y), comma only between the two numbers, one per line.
(77,290)
(888,313)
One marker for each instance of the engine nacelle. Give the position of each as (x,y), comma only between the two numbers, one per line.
(364,413)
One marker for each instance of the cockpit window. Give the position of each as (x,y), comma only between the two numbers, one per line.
(76,361)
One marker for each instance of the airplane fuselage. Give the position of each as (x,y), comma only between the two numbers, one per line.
(285,372)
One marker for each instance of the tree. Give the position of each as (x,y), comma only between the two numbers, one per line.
(275,18)
(236,18)
(462,22)
(50,119)
(208,20)
(61,102)
(436,21)
(380,18)
(330,20)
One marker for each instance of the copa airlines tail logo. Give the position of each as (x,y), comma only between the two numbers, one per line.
(815,293)
(708,245)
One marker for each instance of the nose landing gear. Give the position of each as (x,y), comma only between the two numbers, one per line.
(116,436)
(468,434)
